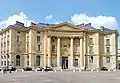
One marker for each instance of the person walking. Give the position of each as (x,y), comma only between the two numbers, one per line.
(10,68)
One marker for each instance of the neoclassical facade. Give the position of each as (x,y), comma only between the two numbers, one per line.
(61,45)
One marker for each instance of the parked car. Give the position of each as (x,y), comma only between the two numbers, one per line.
(48,69)
(40,69)
(27,69)
(104,69)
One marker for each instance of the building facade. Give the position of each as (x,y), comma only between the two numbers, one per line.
(61,45)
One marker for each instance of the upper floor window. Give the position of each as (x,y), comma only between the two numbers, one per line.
(38,49)
(53,40)
(90,41)
(107,42)
(76,41)
(38,32)
(38,38)
(107,49)
(53,48)
(64,45)
(18,38)
(18,32)
(91,49)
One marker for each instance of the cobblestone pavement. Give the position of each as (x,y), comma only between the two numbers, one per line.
(60,77)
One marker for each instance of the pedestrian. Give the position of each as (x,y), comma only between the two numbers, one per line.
(10,68)
(3,70)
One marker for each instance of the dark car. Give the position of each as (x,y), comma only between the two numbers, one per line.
(7,69)
(104,69)
(39,68)
(27,69)
(48,69)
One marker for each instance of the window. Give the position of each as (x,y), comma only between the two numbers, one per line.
(76,49)
(91,50)
(76,41)
(38,38)
(107,42)
(107,49)
(1,57)
(8,62)
(4,62)
(38,48)
(53,48)
(18,38)
(53,40)
(38,32)
(91,59)
(107,59)
(27,38)
(18,32)
(27,48)
(38,60)
(27,60)
(75,62)
(1,63)
(90,41)
(64,45)
(18,60)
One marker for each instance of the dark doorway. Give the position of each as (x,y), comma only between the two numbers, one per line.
(64,62)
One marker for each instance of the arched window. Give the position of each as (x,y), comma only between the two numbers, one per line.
(1,57)
(18,60)
(37,60)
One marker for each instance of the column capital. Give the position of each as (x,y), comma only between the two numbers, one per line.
(58,36)
(72,37)
(81,37)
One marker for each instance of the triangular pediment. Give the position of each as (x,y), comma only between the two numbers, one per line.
(66,27)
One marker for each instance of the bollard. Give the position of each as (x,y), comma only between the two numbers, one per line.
(79,70)
(91,70)
(61,70)
(42,70)
(97,70)
(55,70)
(108,70)
(22,70)
(114,70)
(73,70)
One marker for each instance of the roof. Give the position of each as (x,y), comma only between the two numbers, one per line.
(43,25)
(87,26)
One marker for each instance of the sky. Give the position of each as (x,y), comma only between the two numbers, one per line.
(98,12)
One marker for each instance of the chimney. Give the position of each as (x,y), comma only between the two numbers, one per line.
(19,23)
(102,28)
(32,24)
(89,24)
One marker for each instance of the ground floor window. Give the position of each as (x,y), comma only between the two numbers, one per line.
(27,60)
(91,59)
(75,62)
(37,60)
(18,60)
(107,59)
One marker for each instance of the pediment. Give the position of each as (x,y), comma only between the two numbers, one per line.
(66,27)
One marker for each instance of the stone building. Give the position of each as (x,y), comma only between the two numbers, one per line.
(61,45)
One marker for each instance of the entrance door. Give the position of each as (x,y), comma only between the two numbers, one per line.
(64,62)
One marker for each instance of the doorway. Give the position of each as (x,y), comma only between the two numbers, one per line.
(64,62)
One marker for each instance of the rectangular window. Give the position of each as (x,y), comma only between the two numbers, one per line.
(27,63)
(90,49)
(75,62)
(4,62)
(53,48)
(64,45)
(18,38)
(107,42)
(107,59)
(38,38)
(38,47)
(107,49)
(90,41)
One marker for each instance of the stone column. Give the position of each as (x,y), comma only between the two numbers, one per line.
(71,52)
(49,51)
(58,52)
(81,53)
(45,50)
